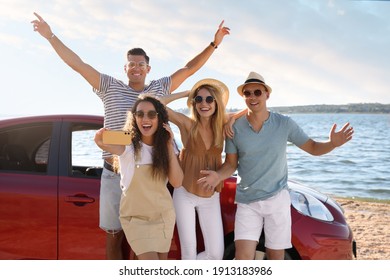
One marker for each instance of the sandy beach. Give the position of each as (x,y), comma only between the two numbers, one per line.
(370,224)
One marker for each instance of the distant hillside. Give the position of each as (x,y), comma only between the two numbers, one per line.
(372,108)
(367,108)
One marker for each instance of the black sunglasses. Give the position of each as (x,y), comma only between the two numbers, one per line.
(150,114)
(248,93)
(198,99)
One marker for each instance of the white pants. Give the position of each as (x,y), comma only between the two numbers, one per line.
(210,220)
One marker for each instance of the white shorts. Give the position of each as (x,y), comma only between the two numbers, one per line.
(110,197)
(273,214)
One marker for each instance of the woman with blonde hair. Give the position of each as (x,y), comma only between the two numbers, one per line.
(203,139)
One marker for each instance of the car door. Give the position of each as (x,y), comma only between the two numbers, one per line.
(28,190)
(80,165)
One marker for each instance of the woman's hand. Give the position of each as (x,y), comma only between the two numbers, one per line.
(228,128)
(99,137)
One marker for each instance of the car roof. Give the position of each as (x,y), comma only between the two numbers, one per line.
(51,118)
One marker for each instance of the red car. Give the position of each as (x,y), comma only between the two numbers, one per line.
(50,173)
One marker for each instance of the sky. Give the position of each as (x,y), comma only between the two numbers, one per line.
(309,51)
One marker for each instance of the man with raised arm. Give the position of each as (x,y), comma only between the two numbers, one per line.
(258,152)
(118,97)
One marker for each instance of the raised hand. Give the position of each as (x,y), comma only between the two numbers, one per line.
(42,27)
(171,142)
(169,129)
(221,32)
(341,137)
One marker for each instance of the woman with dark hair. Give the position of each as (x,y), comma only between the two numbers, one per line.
(146,165)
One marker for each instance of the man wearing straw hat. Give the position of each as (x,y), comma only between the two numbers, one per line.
(258,152)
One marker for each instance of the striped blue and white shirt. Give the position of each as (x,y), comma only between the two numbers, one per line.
(118,98)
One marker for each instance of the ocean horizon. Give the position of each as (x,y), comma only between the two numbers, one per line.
(358,169)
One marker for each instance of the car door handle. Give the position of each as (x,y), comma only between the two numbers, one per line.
(80,199)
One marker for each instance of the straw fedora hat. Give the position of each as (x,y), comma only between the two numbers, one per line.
(253,78)
(221,88)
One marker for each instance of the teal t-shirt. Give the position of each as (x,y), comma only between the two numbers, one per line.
(262,159)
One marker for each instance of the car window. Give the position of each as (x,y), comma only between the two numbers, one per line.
(42,154)
(86,155)
(23,148)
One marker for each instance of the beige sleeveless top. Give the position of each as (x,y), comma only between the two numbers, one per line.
(146,197)
(193,158)
(146,212)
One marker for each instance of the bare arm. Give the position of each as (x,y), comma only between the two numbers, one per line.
(336,139)
(67,55)
(183,122)
(179,119)
(213,178)
(175,174)
(166,99)
(239,114)
(232,117)
(198,61)
(113,149)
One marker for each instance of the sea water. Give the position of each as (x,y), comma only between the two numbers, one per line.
(360,168)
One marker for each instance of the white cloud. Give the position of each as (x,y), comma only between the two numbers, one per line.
(309,51)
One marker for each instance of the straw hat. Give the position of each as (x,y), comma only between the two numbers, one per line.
(253,78)
(221,88)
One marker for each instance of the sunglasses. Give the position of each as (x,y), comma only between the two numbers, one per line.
(150,114)
(142,64)
(248,93)
(209,99)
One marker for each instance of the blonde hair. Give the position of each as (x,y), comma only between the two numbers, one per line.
(217,119)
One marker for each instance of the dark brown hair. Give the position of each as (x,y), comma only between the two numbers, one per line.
(160,155)
(138,51)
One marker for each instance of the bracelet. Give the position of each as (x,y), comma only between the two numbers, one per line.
(51,37)
(213,45)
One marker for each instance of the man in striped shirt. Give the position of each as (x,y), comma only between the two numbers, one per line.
(118,97)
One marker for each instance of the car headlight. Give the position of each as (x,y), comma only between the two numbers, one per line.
(308,205)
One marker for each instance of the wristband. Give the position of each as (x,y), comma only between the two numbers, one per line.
(51,37)
(213,45)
